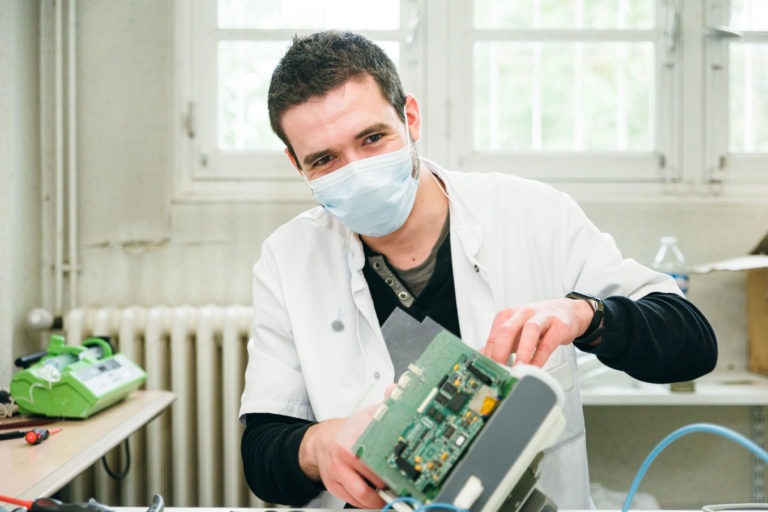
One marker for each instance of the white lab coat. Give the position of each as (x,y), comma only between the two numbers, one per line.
(513,241)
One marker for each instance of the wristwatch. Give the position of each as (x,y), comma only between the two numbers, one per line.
(593,331)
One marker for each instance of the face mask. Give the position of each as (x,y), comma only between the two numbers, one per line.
(372,196)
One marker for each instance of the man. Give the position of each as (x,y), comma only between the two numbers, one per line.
(490,257)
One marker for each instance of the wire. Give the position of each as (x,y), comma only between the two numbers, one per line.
(122,474)
(689,429)
(7,405)
(391,504)
(449,506)
(16,501)
(418,506)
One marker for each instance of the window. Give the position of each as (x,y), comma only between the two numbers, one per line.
(596,96)
(562,90)
(737,34)
(226,146)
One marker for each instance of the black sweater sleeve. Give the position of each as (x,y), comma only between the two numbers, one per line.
(270,452)
(659,338)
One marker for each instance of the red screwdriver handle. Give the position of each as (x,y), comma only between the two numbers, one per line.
(38,435)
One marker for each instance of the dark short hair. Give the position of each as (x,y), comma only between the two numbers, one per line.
(318,63)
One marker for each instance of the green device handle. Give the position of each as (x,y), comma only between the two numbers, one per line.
(61,355)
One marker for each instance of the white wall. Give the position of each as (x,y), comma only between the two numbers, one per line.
(139,246)
(20,198)
(706,232)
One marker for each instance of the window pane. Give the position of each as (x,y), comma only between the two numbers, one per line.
(245,69)
(564,14)
(749,14)
(558,97)
(309,14)
(748,96)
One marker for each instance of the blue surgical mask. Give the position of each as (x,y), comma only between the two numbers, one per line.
(372,196)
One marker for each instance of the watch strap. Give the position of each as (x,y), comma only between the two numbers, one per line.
(594,330)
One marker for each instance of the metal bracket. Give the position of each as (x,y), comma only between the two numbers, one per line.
(758,466)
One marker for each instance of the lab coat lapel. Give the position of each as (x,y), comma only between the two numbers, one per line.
(359,287)
(474,296)
(379,369)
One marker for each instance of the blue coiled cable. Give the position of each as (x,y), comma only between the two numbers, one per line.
(418,506)
(690,429)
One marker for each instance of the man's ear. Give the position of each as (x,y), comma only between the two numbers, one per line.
(412,116)
(292,158)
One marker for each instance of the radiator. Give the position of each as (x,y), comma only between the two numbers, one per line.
(190,454)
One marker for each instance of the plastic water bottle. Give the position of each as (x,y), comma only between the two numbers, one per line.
(670,260)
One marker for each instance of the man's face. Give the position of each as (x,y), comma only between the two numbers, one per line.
(351,122)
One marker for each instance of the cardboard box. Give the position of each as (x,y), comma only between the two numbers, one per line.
(756,267)
(757,313)
(757,320)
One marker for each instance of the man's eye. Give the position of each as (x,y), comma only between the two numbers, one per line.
(321,161)
(373,138)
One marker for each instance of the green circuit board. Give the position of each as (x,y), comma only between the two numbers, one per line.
(434,413)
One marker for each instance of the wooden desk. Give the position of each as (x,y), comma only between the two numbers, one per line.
(32,471)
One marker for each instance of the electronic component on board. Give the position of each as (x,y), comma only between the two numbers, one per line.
(458,423)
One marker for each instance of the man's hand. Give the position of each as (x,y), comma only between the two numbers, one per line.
(326,454)
(534,331)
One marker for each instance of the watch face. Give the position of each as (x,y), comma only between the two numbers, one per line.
(593,301)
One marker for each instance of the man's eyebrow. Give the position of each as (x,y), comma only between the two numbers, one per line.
(374,128)
(314,156)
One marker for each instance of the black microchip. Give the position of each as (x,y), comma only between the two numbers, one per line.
(400,447)
(436,415)
(477,372)
(449,431)
(458,402)
(406,466)
(449,389)
(441,399)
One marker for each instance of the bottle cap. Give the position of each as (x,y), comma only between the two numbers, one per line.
(668,240)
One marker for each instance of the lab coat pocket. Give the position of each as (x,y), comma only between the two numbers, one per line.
(560,367)
(563,371)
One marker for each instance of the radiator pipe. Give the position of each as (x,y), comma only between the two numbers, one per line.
(58,265)
(72,173)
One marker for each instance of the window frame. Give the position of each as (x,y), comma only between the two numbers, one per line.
(685,166)
(724,167)
(558,166)
(248,175)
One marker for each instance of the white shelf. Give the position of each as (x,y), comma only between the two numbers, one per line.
(610,387)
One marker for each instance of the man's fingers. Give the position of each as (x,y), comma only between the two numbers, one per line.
(344,480)
(490,344)
(529,342)
(542,354)
(354,489)
(357,465)
(504,336)
(515,332)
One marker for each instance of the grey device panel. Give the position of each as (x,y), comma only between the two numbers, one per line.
(502,440)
